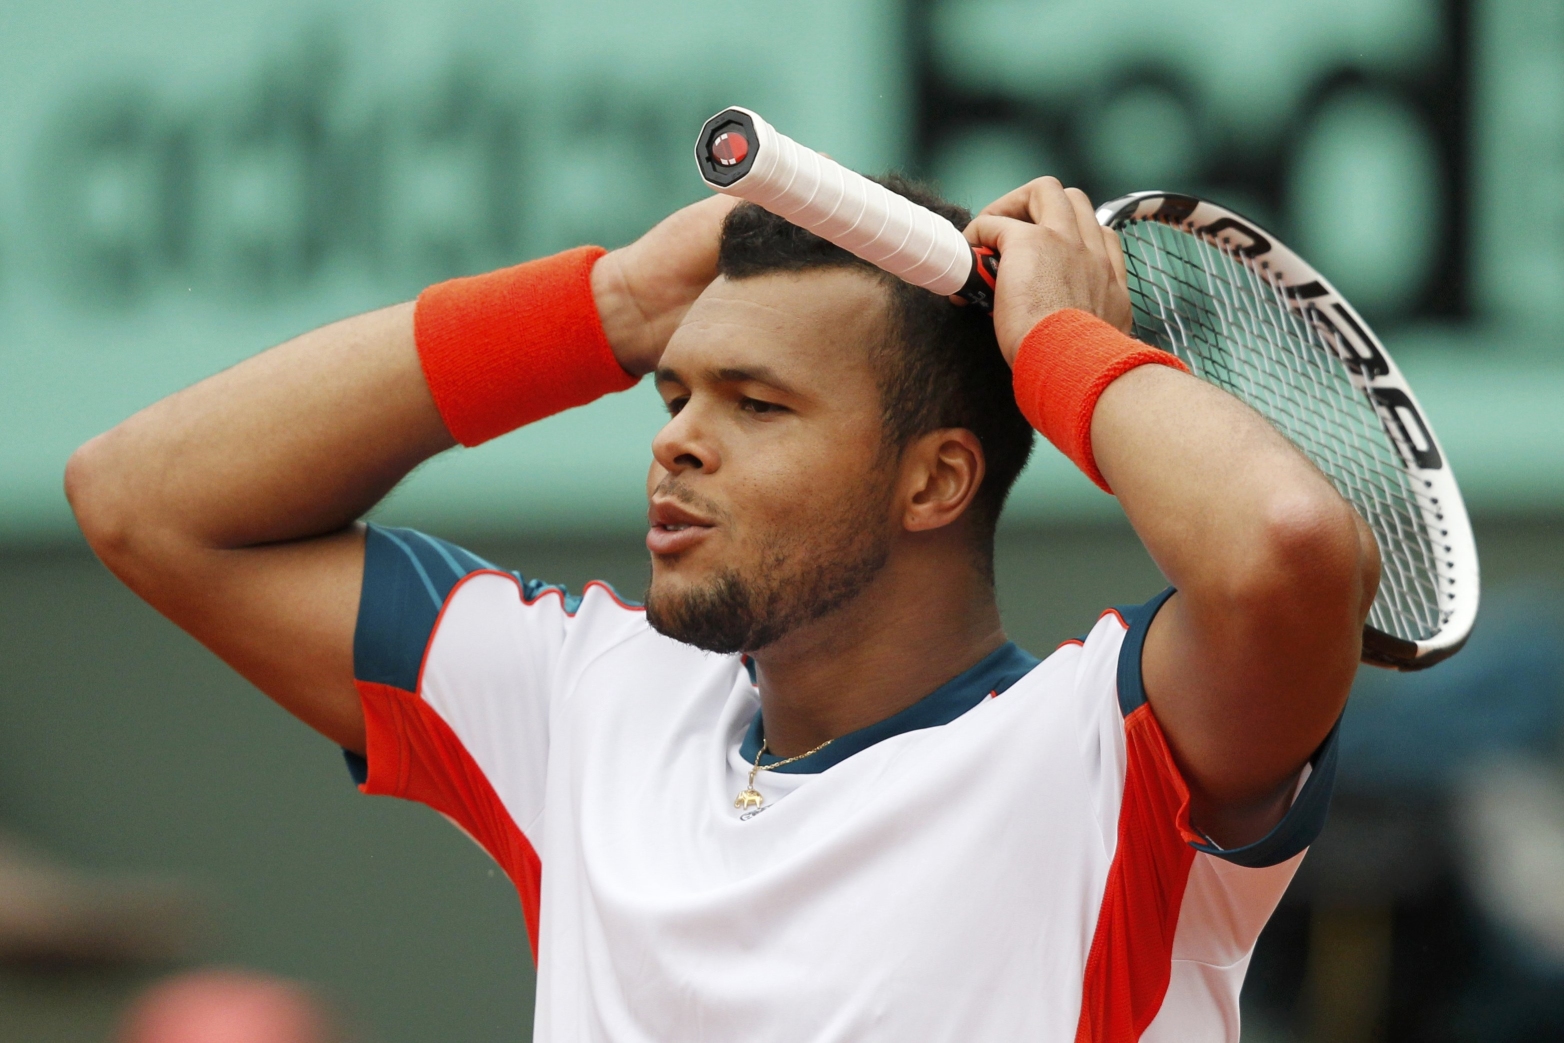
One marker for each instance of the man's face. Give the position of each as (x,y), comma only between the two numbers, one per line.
(770,488)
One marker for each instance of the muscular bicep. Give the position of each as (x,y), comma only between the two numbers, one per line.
(283,616)
(1246,693)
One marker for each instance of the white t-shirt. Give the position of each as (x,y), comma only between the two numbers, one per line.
(1008,859)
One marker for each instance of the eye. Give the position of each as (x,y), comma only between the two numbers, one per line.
(677,403)
(755,405)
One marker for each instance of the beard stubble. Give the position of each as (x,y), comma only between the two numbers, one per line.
(798,579)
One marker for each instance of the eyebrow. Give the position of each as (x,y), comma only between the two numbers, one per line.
(730,375)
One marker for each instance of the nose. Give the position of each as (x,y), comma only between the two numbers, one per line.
(683,445)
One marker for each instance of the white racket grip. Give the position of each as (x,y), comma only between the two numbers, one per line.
(843,207)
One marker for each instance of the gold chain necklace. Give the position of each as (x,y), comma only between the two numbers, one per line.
(750,798)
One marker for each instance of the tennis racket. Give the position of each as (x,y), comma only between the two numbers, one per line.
(1240,309)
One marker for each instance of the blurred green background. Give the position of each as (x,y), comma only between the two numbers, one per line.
(185,183)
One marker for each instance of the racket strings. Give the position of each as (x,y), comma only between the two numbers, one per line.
(1329,365)
(1262,331)
(1233,323)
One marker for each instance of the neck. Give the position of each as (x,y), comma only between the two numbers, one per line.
(910,631)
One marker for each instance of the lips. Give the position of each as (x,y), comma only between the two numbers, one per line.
(673,528)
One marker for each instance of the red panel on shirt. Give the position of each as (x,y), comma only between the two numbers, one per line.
(413,754)
(1130,963)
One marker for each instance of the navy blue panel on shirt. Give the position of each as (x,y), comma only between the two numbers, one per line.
(407,577)
(1301,826)
(995,672)
(1132,690)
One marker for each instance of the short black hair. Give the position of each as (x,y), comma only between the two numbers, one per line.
(939,366)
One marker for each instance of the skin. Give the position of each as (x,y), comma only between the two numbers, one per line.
(775,427)
(231,506)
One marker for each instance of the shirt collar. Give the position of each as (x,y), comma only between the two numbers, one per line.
(994,673)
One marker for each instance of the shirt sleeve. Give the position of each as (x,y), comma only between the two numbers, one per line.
(1179,915)
(1305,818)
(457,664)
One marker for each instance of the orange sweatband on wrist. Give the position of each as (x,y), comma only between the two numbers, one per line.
(1063,365)
(513,346)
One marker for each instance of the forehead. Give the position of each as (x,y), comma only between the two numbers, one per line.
(814,327)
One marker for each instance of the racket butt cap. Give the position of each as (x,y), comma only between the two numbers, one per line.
(719,156)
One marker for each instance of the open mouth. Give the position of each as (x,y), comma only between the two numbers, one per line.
(674,537)
(673,529)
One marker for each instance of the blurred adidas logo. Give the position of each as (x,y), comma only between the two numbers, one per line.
(305,168)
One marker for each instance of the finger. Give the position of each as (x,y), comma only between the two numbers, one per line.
(1086,223)
(1115,251)
(704,214)
(1125,319)
(1050,206)
(715,204)
(1016,203)
(1011,204)
(991,230)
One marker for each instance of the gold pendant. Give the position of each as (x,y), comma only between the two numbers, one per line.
(750,798)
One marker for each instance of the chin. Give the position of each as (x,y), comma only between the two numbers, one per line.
(715,613)
(709,600)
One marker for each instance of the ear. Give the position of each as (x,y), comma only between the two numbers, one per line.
(941,472)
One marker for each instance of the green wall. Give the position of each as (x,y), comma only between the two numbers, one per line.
(183,183)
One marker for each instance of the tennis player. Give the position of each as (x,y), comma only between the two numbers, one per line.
(809,792)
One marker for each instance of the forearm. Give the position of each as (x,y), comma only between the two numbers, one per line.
(1222,501)
(301,440)
(295,442)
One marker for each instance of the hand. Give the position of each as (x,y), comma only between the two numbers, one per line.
(644,289)
(1052,254)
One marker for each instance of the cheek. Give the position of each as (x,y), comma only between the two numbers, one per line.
(800,486)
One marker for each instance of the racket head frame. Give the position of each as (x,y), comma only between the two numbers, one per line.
(1374,372)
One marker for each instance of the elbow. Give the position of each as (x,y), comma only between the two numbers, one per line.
(1369,566)
(1313,563)
(97,500)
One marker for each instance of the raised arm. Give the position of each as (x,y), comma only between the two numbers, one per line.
(1248,666)
(230,506)
(227,506)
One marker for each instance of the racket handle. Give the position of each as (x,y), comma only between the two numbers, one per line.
(740,154)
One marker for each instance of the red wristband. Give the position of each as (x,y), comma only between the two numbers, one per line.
(1062,367)
(513,346)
